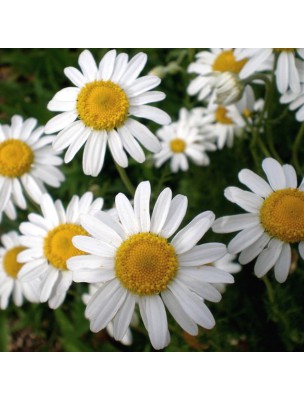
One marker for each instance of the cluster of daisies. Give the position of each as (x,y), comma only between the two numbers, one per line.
(138,261)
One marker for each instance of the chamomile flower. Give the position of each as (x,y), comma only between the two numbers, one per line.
(49,241)
(27,163)
(224,123)
(228,264)
(288,66)
(248,105)
(127,340)
(274,220)
(9,270)
(184,139)
(139,265)
(100,110)
(296,102)
(209,66)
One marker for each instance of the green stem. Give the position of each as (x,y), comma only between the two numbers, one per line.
(124,177)
(295,149)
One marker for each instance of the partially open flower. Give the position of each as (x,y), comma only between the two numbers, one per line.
(228,89)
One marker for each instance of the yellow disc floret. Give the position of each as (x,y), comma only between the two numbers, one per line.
(10,264)
(221,116)
(226,62)
(16,158)
(145,264)
(282,215)
(58,246)
(102,105)
(177,145)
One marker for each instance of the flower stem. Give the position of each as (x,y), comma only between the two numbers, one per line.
(295,149)
(126,181)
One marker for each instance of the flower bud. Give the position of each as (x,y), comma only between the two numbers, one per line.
(228,89)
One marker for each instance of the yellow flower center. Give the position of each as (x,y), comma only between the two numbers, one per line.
(247,113)
(16,158)
(58,246)
(102,105)
(282,215)
(226,62)
(221,116)
(10,264)
(145,264)
(289,50)
(177,145)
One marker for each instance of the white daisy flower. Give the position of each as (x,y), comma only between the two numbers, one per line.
(99,109)
(209,65)
(49,241)
(273,222)
(138,265)
(184,139)
(288,68)
(228,264)
(248,105)
(223,124)
(295,101)
(127,340)
(27,162)
(9,273)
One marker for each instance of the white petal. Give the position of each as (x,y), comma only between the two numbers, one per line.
(31,187)
(301,249)
(255,183)
(152,113)
(207,274)
(131,144)
(94,246)
(67,94)
(176,214)
(126,214)
(88,65)
(48,209)
(157,321)
(275,173)
(5,193)
(120,66)
(68,135)
(142,85)
(75,76)
(193,305)
(268,257)
(235,223)
(60,121)
(148,97)
(123,317)
(205,290)
(134,68)
(33,270)
(178,312)
(17,194)
(17,294)
(203,254)
(193,232)
(100,230)
(142,206)
(161,211)
(290,175)
(143,135)
(245,239)
(282,266)
(93,275)
(248,201)
(106,65)
(76,145)
(48,284)
(117,150)
(254,250)
(98,143)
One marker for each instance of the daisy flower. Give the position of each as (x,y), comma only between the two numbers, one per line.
(27,162)
(9,273)
(228,264)
(184,139)
(127,340)
(288,66)
(247,106)
(295,101)
(273,222)
(100,108)
(139,265)
(209,66)
(224,123)
(49,241)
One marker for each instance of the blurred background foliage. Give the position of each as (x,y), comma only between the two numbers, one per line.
(254,315)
